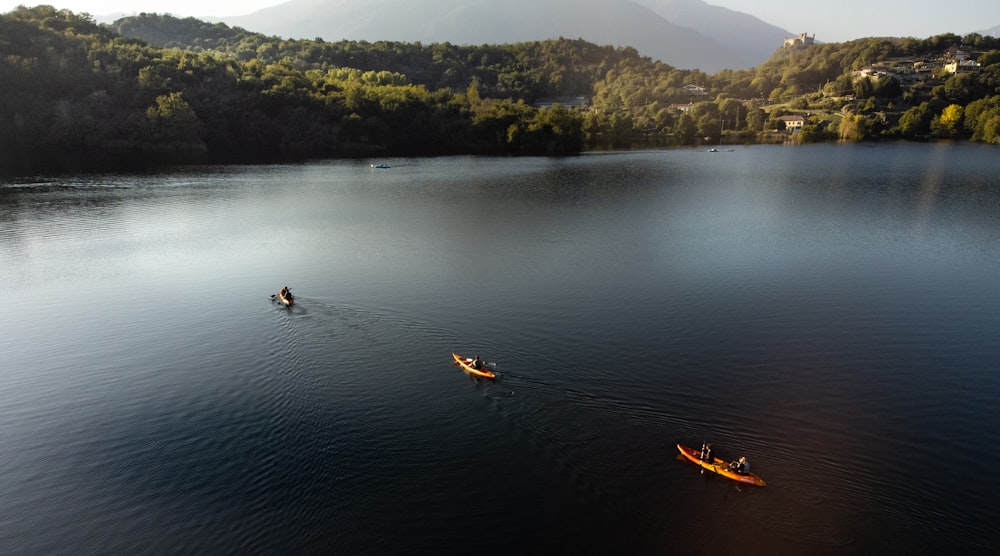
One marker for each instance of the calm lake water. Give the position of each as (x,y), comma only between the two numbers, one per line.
(831,312)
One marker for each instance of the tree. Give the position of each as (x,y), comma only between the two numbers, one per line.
(499,122)
(731,110)
(175,123)
(863,88)
(888,87)
(982,118)
(755,116)
(685,130)
(810,134)
(989,128)
(706,118)
(555,130)
(841,86)
(854,128)
(472,93)
(962,88)
(915,121)
(949,122)
(989,58)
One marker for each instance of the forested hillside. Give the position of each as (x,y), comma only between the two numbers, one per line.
(82,96)
(155,89)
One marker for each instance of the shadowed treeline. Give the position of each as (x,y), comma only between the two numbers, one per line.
(152,90)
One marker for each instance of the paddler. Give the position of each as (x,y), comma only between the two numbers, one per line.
(741,466)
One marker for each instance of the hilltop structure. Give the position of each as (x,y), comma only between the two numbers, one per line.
(801,38)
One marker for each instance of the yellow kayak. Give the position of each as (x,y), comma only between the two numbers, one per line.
(721,467)
(466,365)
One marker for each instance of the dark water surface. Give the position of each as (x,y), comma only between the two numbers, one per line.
(831,312)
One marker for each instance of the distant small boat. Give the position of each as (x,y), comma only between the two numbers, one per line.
(381,166)
(713,150)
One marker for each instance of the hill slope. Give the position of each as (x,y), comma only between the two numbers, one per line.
(754,38)
(992,31)
(614,22)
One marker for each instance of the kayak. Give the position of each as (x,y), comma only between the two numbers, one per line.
(466,365)
(720,466)
(286,299)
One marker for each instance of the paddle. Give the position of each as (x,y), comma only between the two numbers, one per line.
(707,455)
(701,456)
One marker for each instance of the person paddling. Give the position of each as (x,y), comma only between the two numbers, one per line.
(706,452)
(741,466)
(286,297)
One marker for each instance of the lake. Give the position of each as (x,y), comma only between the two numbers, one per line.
(831,312)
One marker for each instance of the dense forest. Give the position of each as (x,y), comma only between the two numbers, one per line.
(154,89)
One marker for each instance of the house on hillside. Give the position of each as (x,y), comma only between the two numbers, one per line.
(695,89)
(872,72)
(962,66)
(801,38)
(956,54)
(793,123)
(579,103)
(686,108)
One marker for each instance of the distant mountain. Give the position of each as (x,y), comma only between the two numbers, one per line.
(733,40)
(754,38)
(992,31)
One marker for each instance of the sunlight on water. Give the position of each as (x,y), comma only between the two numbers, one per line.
(830,312)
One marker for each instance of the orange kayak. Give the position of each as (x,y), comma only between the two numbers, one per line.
(466,365)
(720,466)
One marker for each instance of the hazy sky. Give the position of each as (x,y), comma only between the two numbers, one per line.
(829,20)
(844,20)
(181,8)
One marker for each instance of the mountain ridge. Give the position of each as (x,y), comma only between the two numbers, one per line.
(992,31)
(639,24)
(756,38)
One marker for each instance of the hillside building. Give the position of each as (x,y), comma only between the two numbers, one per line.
(801,38)
(578,103)
(696,90)
(793,123)
(962,66)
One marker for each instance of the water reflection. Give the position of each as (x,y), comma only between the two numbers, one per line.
(828,311)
